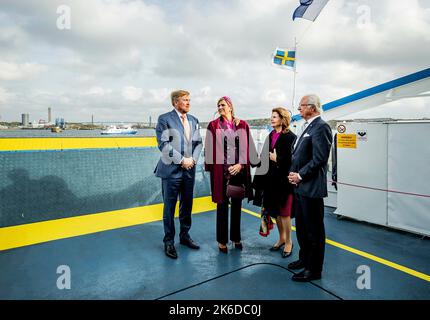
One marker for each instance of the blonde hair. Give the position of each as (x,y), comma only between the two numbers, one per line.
(228,101)
(285,116)
(175,95)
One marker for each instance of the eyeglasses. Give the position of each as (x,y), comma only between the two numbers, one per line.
(305,105)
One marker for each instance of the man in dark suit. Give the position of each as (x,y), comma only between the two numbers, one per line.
(180,144)
(309,174)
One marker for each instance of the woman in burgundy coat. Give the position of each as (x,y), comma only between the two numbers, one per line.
(227,146)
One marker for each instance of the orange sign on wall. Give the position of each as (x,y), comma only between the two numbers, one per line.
(346,140)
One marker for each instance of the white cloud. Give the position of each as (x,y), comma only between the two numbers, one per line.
(5,95)
(159,95)
(274,96)
(205,91)
(97,91)
(12,39)
(132,93)
(19,71)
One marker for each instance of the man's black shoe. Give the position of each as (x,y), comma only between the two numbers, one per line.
(170,251)
(306,276)
(296,265)
(190,243)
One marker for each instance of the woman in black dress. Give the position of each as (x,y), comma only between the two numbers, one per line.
(272,185)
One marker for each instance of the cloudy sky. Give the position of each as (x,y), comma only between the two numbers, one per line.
(120,59)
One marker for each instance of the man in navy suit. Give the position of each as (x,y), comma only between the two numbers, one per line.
(309,174)
(180,144)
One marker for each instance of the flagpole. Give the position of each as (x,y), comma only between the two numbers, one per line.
(302,12)
(295,72)
(296,43)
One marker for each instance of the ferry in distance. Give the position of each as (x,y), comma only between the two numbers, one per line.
(119,130)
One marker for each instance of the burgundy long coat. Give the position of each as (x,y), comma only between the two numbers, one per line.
(215,153)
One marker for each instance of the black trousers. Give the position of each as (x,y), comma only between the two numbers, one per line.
(172,188)
(222,221)
(222,218)
(310,231)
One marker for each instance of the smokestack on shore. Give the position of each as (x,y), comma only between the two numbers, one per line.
(25,119)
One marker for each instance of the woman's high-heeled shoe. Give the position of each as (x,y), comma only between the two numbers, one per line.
(287,254)
(276,248)
(223,249)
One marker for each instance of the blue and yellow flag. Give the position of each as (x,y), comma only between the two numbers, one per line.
(284,58)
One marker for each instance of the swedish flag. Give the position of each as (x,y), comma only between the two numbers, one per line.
(284,58)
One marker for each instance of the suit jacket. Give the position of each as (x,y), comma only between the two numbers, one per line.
(173,145)
(310,158)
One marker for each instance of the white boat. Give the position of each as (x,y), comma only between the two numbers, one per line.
(119,130)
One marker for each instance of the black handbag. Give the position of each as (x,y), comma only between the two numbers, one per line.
(235,192)
(235,186)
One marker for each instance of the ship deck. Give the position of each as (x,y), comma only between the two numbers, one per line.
(129,263)
(67,208)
